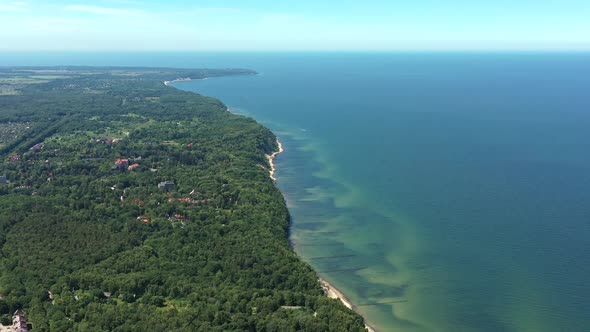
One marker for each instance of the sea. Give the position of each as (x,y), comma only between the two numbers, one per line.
(438,191)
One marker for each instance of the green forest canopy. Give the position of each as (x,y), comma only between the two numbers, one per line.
(90,242)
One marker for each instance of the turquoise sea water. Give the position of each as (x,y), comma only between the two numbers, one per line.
(439,191)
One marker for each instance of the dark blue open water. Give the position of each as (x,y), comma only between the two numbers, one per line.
(439,191)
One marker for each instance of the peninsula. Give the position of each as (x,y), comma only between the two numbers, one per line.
(126,204)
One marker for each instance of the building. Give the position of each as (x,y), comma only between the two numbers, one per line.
(167,185)
(19,323)
(37,147)
(4,180)
(123,163)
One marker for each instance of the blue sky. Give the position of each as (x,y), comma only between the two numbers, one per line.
(295,25)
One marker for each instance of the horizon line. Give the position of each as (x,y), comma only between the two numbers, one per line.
(509,50)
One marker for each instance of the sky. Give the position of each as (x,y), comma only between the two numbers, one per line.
(287,25)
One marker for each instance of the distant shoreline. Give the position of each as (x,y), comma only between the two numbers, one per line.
(186,79)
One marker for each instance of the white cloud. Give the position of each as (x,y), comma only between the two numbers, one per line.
(102,10)
(16,6)
(212,11)
(52,24)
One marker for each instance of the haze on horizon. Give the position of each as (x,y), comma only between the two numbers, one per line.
(234,25)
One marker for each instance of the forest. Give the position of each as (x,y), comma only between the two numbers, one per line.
(129,205)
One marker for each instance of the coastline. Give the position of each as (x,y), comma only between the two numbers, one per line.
(329,290)
(334,293)
(271,158)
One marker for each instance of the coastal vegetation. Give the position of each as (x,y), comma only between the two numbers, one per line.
(89,241)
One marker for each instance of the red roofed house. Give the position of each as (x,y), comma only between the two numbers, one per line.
(144,219)
(122,163)
(132,167)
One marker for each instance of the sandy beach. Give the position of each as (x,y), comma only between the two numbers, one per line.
(333,293)
(271,158)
